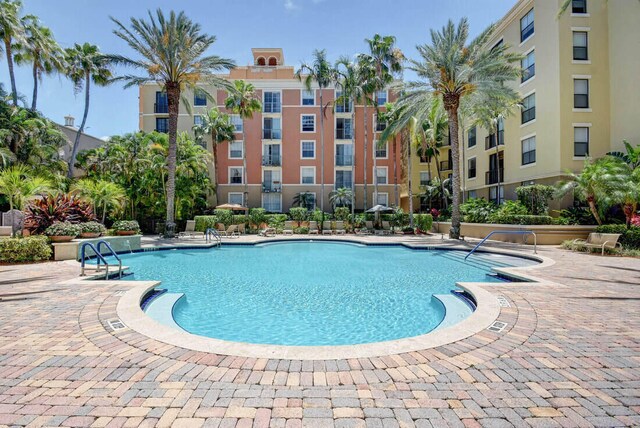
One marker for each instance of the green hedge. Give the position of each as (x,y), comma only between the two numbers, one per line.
(204,222)
(630,238)
(531,220)
(29,249)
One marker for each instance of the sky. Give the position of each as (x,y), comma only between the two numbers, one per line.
(297,26)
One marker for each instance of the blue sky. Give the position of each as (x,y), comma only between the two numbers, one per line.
(239,25)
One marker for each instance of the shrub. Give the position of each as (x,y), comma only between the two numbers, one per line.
(576,215)
(635,220)
(224,216)
(276,220)
(342,213)
(239,219)
(530,220)
(301,230)
(477,210)
(317,216)
(508,208)
(400,218)
(630,238)
(424,222)
(298,214)
(536,198)
(43,212)
(126,226)
(29,249)
(204,222)
(92,227)
(63,229)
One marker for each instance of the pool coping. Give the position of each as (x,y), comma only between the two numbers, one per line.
(487,311)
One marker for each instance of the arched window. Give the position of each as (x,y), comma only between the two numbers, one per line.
(260,61)
(273,61)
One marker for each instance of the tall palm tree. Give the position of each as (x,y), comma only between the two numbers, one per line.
(101,194)
(243,101)
(340,197)
(435,127)
(11,31)
(41,51)
(85,65)
(217,125)
(172,54)
(320,71)
(367,82)
(19,186)
(453,69)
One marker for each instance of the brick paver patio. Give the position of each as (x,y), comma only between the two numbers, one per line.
(569,356)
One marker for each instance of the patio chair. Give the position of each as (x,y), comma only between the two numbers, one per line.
(313,228)
(386,228)
(340,228)
(242,228)
(600,241)
(220,227)
(190,231)
(369,226)
(269,231)
(231,232)
(288,228)
(5,232)
(326,227)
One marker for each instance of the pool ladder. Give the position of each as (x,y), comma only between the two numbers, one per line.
(213,235)
(100,258)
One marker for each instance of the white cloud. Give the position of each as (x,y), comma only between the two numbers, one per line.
(290,5)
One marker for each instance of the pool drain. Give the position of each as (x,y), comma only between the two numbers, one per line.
(497,326)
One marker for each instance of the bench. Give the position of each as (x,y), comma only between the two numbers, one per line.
(600,241)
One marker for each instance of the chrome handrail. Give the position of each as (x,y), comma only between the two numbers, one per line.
(507,232)
(210,232)
(98,256)
(113,253)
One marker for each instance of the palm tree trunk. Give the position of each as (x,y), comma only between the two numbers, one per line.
(173,101)
(245,199)
(443,197)
(409,181)
(34,99)
(214,148)
(76,142)
(594,211)
(375,165)
(451,104)
(12,77)
(395,171)
(353,158)
(104,211)
(464,164)
(13,217)
(366,137)
(321,154)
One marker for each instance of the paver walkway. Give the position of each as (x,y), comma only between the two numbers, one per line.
(569,356)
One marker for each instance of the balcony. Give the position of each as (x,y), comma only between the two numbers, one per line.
(161,108)
(271,160)
(344,160)
(341,184)
(490,140)
(446,165)
(271,134)
(494,176)
(271,187)
(343,134)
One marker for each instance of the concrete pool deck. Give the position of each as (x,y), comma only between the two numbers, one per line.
(569,355)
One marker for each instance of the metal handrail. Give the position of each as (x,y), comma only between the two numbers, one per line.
(213,233)
(98,255)
(507,232)
(113,253)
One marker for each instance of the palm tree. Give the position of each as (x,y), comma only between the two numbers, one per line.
(453,69)
(11,30)
(367,82)
(103,194)
(41,51)
(303,199)
(631,157)
(18,186)
(340,197)
(598,183)
(217,125)
(243,101)
(171,54)
(629,193)
(85,65)
(320,71)
(435,128)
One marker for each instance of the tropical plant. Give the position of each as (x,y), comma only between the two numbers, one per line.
(628,194)
(298,214)
(49,209)
(320,71)
(596,184)
(92,227)
(453,69)
(435,127)
(171,51)
(29,249)
(243,101)
(19,187)
(101,194)
(41,51)
(11,31)
(631,157)
(506,209)
(126,226)
(477,210)
(424,222)
(64,228)
(224,216)
(303,199)
(257,216)
(340,197)
(536,198)
(218,126)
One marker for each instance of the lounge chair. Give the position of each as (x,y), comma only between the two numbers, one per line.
(190,231)
(386,228)
(288,228)
(340,228)
(326,227)
(241,229)
(231,232)
(313,228)
(369,226)
(269,231)
(600,241)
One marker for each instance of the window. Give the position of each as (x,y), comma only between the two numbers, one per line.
(271,102)
(235,198)
(493,194)
(307,175)
(343,128)
(529,108)
(198,120)
(308,150)
(579,6)
(199,98)
(235,175)
(344,154)
(343,179)
(528,64)
(381,97)
(380,125)
(381,151)
(271,202)
(497,45)
(382,199)
(580,46)
(528,150)
(381,175)
(236,121)
(472,194)
(235,150)
(271,128)
(162,103)
(471,170)
(162,124)
(580,93)
(308,122)
(580,141)
(424,178)
(471,137)
(271,155)
(526,26)
(342,105)
(308,97)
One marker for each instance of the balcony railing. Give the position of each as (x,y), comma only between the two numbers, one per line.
(161,108)
(344,160)
(271,187)
(271,134)
(446,165)
(341,184)
(271,160)
(343,134)
(494,176)
(490,140)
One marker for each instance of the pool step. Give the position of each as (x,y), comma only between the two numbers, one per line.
(160,309)
(456,309)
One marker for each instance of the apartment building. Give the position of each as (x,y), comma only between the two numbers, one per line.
(283,140)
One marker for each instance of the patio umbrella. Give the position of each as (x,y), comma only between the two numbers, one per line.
(232,207)
(377,210)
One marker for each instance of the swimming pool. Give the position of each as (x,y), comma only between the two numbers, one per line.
(310,294)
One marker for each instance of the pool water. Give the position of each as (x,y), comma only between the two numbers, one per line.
(306,293)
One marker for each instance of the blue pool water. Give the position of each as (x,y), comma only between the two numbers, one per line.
(307,293)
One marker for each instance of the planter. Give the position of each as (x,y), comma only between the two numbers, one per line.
(61,238)
(407,232)
(125,232)
(88,235)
